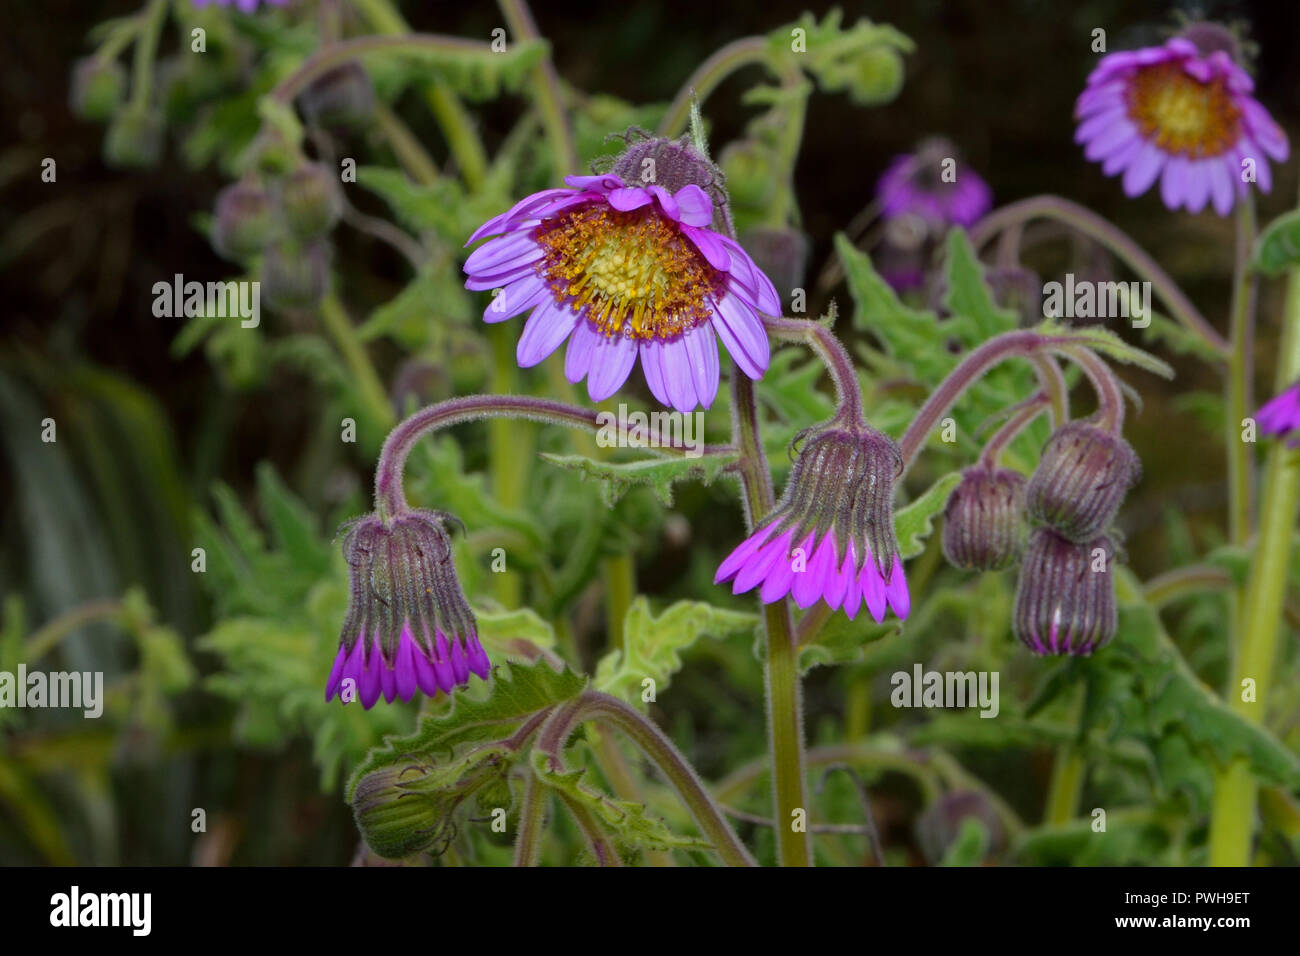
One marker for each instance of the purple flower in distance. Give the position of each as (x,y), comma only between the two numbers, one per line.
(624,271)
(408,625)
(831,536)
(1280,415)
(917,184)
(1181,113)
(244,6)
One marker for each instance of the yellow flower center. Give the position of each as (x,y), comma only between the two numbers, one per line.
(1181,114)
(634,272)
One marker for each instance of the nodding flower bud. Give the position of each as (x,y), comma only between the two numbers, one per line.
(296,277)
(1065,601)
(401,811)
(340,97)
(243,222)
(408,624)
(1082,478)
(134,139)
(938,828)
(671,164)
(97,88)
(831,536)
(984,521)
(311,201)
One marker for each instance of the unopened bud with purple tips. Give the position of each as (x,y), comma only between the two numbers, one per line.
(831,536)
(408,625)
(310,201)
(243,223)
(1081,480)
(984,521)
(1065,601)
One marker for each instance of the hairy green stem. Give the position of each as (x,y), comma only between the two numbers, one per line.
(1239,400)
(1232,817)
(389,496)
(532,816)
(706,78)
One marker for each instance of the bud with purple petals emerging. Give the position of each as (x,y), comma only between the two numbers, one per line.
(1065,601)
(831,536)
(408,625)
(984,520)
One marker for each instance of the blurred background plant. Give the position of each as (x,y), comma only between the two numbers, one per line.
(317,148)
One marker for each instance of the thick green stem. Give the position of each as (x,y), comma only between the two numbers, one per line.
(339,327)
(146,48)
(1232,819)
(456,124)
(1240,372)
(546,89)
(619,573)
(49,637)
(781,677)
(1067,776)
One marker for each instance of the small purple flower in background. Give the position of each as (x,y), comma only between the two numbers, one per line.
(1280,415)
(408,625)
(244,6)
(831,537)
(1181,113)
(933,185)
(621,271)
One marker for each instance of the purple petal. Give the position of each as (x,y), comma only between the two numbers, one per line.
(743,334)
(628,198)
(652,366)
(899,598)
(548,326)
(515,298)
(1144,170)
(602,184)
(695,205)
(710,246)
(666,202)
(611,362)
(733,562)
(577,359)
(702,352)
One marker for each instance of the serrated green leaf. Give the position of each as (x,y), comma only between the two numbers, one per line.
(968,293)
(516,692)
(914,523)
(841,641)
(652,645)
(617,478)
(628,823)
(503,630)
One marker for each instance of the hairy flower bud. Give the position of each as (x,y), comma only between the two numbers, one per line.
(1081,479)
(408,624)
(341,97)
(1065,601)
(296,277)
(939,827)
(984,521)
(672,164)
(97,88)
(311,201)
(134,139)
(831,536)
(243,222)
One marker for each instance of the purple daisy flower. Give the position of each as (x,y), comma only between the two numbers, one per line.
(244,6)
(1280,415)
(621,271)
(831,536)
(1181,113)
(915,185)
(408,626)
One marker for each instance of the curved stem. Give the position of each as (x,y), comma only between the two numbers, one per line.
(832,353)
(1022,344)
(418,164)
(1110,397)
(547,93)
(146,48)
(52,633)
(1114,239)
(597,842)
(1053,384)
(389,498)
(706,78)
(1029,410)
(593,705)
(532,814)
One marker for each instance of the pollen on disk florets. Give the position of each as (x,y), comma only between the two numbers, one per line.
(633,273)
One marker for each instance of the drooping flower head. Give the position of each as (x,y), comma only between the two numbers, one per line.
(1065,600)
(984,519)
(626,264)
(408,625)
(931,185)
(1081,480)
(1182,113)
(1280,415)
(831,536)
